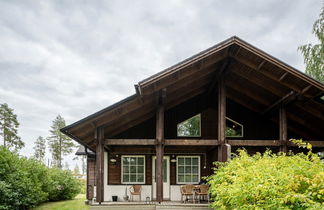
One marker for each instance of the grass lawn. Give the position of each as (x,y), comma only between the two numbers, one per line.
(76,204)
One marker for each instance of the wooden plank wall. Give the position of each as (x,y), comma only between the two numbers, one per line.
(114,169)
(91,177)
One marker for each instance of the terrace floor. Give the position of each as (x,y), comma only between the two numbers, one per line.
(174,205)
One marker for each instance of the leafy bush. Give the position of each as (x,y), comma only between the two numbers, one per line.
(83,184)
(63,186)
(25,182)
(269,181)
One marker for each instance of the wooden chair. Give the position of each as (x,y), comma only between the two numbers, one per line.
(187,191)
(135,190)
(202,192)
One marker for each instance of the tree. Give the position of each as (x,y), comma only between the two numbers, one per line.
(39,149)
(314,54)
(9,128)
(59,143)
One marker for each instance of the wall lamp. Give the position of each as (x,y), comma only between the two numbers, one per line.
(114,159)
(173,159)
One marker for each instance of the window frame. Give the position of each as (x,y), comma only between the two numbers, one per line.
(177,169)
(189,119)
(122,169)
(239,136)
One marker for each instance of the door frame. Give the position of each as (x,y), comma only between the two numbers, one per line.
(168,183)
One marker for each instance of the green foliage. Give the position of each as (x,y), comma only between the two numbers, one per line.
(9,128)
(63,186)
(269,181)
(190,127)
(314,54)
(25,182)
(39,149)
(59,143)
(83,184)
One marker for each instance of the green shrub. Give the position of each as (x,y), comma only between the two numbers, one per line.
(63,186)
(269,181)
(83,184)
(24,182)
(21,181)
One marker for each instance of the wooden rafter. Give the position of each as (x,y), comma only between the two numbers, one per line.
(224,68)
(289,97)
(255,67)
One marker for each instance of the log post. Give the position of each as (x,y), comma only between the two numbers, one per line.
(99,135)
(283,136)
(222,155)
(159,149)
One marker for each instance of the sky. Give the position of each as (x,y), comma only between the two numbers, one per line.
(74,58)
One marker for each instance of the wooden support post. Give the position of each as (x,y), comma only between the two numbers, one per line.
(159,149)
(99,135)
(226,152)
(283,129)
(221,119)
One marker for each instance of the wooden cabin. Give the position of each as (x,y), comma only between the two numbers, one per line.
(194,113)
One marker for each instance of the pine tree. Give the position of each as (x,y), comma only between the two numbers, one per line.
(39,149)
(314,54)
(9,128)
(59,143)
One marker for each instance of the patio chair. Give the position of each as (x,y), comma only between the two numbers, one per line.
(202,192)
(187,191)
(135,190)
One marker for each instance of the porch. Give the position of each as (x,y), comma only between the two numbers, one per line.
(148,206)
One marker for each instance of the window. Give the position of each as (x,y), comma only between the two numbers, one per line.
(190,127)
(188,169)
(133,169)
(233,129)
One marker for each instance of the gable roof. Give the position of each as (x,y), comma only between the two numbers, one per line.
(252,74)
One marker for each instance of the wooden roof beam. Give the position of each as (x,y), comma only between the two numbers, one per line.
(255,67)
(283,76)
(291,96)
(130,142)
(260,65)
(259,143)
(222,70)
(183,72)
(168,142)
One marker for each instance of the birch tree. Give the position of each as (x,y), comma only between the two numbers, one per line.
(314,53)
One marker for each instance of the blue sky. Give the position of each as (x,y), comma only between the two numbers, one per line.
(76,57)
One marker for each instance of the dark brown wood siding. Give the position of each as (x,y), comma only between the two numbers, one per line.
(91,177)
(114,169)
